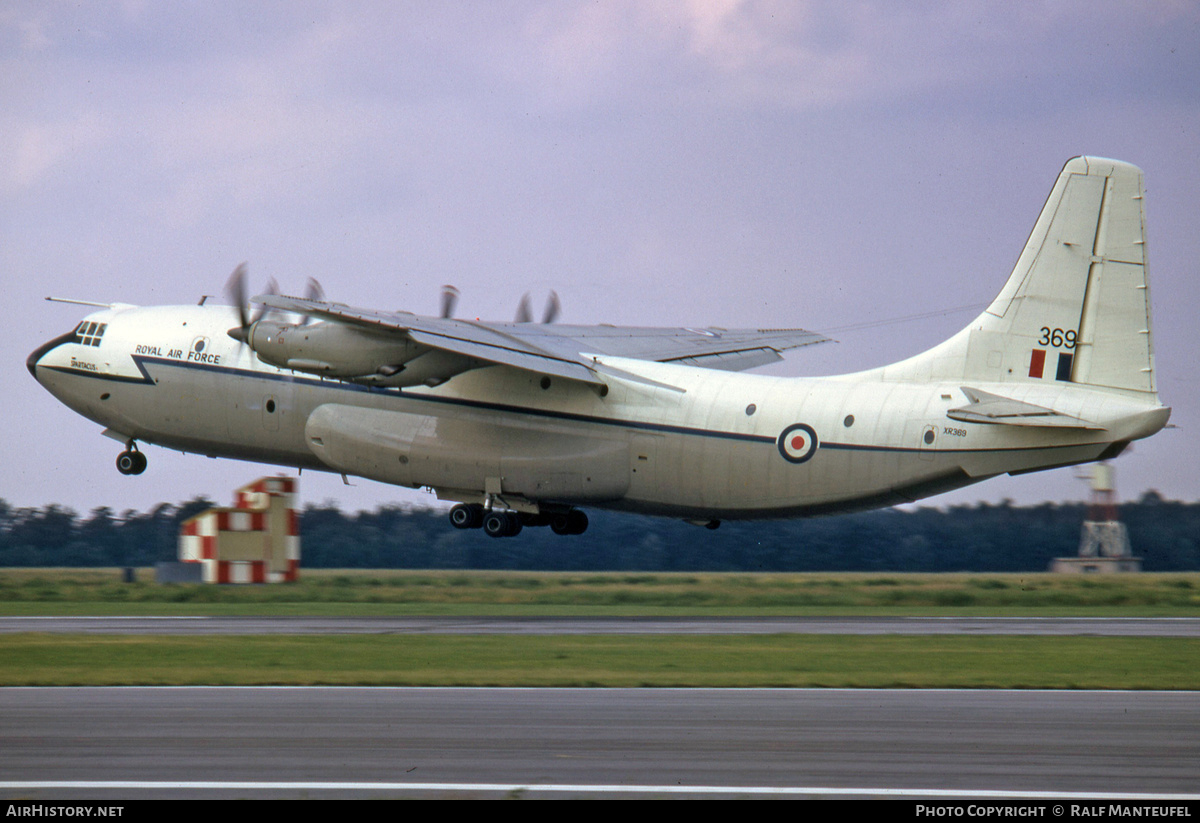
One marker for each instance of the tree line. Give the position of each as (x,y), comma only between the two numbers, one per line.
(983,537)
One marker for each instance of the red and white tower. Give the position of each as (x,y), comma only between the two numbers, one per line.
(255,541)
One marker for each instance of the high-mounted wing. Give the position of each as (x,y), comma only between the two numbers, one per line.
(710,347)
(561,350)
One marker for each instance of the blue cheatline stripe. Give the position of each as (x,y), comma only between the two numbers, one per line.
(41,351)
(141,361)
(338,385)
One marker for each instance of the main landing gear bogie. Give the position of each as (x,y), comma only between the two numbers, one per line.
(502,524)
(507,523)
(131,461)
(573,521)
(464,516)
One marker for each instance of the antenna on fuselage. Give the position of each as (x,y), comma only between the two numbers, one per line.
(82,302)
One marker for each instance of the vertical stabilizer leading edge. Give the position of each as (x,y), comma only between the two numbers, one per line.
(1076,308)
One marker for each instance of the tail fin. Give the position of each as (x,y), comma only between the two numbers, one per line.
(1077,305)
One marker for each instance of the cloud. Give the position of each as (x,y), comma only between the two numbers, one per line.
(819,54)
(32,152)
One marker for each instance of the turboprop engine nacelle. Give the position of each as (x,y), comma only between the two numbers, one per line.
(348,353)
(329,349)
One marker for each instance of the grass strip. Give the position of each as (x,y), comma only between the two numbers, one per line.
(30,659)
(353,593)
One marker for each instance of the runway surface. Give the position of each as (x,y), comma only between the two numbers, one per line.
(1078,626)
(105,743)
(126,743)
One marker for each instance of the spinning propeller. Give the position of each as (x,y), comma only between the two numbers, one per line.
(549,315)
(449,301)
(313,292)
(524,308)
(235,288)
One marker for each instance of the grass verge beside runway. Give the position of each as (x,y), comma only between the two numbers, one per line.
(38,591)
(605,661)
(692,660)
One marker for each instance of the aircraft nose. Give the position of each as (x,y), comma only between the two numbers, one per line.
(35,357)
(32,360)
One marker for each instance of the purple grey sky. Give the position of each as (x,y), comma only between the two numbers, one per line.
(772,164)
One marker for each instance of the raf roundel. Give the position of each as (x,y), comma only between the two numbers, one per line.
(797,443)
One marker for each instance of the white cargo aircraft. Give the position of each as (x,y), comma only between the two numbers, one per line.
(521,423)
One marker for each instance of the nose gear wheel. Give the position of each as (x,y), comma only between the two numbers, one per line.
(131,461)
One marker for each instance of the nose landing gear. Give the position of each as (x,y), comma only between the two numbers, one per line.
(131,461)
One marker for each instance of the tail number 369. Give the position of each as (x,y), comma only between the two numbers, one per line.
(1058,338)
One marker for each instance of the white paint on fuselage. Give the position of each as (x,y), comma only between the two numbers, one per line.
(172,376)
(1064,353)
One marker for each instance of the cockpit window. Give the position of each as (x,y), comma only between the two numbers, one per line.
(89,334)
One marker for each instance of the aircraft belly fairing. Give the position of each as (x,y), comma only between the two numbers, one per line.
(537,460)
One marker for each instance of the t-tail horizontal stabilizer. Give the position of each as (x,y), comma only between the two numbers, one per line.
(992,408)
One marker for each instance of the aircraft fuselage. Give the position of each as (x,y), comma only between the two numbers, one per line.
(522,422)
(717,445)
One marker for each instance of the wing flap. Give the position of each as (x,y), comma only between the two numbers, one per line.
(731,361)
(712,347)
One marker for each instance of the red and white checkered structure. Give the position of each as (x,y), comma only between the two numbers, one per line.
(256,541)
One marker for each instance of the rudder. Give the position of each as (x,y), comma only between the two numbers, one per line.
(1076,308)
(1077,304)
